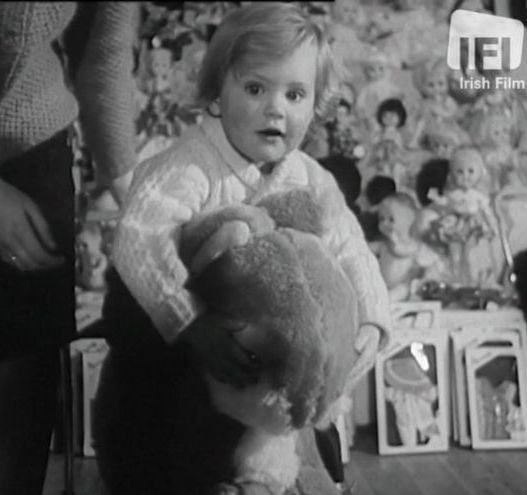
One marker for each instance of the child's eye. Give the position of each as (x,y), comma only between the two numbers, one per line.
(254,89)
(295,95)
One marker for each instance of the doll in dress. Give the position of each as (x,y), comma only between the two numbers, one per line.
(466,223)
(500,157)
(403,258)
(379,87)
(391,117)
(437,106)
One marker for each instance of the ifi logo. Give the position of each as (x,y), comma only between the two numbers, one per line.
(498,40)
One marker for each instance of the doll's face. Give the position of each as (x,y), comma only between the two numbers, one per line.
(267,108)
(441,147)
(342,115)
(465,173)
(498,132)
(390,119)
(375,70)
(160,62)
(348,12)
(395,218)
(436,85)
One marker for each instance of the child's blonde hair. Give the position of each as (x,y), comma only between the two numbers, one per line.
(263,33)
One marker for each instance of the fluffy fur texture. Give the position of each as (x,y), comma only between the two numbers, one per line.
(266,264)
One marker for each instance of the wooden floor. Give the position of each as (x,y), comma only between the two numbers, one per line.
(457,472)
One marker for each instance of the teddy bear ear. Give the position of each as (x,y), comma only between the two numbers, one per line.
(229,235)
(296,209)
(201,229)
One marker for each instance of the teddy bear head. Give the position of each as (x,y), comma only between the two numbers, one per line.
(267,265)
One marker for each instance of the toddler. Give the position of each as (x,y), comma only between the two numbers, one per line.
(267,71)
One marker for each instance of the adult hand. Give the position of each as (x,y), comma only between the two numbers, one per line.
(212,338)
(26,242)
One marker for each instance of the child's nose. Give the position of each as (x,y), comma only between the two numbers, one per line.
(275,105)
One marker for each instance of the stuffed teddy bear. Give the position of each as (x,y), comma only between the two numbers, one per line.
(266,264)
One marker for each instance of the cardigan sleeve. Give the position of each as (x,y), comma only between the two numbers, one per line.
(345,238)
(162,198)
(104,87)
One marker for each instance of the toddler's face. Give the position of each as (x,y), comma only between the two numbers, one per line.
(395,219)
(266,109)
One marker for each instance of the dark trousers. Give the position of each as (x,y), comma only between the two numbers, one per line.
(36,317)
(155,431)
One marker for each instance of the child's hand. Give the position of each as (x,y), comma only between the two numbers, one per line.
(367,346)
(212,338)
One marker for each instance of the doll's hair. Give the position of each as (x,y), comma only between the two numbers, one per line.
(426,69)
(433,175)
(403,199)
(262,33)
(440,132)
(392,105)
(468,154)
(378,188)
(347,176)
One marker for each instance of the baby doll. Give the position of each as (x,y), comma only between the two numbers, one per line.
(391,117)
(403,258)
(466,221)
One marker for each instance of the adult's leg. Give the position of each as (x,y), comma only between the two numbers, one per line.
(28,393)
(37,315)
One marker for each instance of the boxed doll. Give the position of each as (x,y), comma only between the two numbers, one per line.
(411,390)
(463,339)
(497,391)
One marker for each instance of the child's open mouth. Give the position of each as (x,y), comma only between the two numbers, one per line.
(271,132)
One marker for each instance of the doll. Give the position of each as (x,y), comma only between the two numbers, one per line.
(348,21)
(344,133)
(92,261)
(387,159)
(391,117)
(466,223)
(403,258)
(379,86)
(440,140)
(413,396)
(160,61)
(496,147)
(437,106)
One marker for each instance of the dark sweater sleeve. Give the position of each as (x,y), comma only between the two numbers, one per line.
(104,87)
